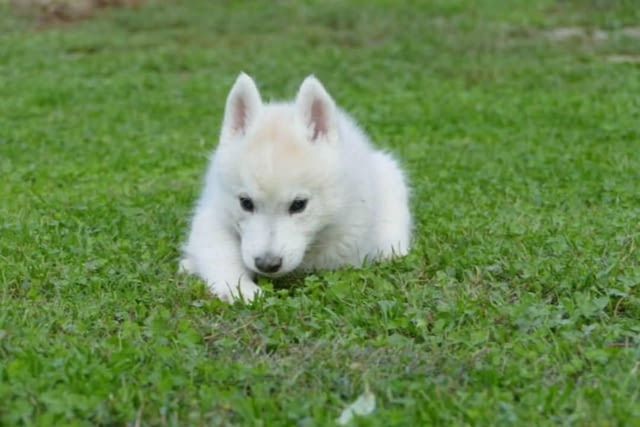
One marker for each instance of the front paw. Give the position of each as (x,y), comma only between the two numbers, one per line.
(243,290)
(186,266)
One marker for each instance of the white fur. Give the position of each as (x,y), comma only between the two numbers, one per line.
(274,153)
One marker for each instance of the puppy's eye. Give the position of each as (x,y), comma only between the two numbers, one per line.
(297,206)
(246,204)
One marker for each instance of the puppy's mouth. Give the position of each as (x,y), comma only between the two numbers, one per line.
(273,275)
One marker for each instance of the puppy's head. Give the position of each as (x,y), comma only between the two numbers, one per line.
(280,167)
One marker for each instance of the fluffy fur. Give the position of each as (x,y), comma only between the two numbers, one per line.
(292,186)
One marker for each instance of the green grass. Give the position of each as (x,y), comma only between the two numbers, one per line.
(519,304)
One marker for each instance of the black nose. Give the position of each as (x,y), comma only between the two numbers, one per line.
(268,263)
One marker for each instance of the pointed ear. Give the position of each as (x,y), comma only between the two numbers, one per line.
(317,110)
(243,104)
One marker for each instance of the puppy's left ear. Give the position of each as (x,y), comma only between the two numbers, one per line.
(243,104)
(317,110)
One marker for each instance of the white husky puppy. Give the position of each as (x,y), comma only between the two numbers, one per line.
(292,186)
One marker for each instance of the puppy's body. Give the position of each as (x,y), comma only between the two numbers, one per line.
(293,186)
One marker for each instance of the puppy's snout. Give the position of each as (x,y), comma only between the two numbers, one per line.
(268,263)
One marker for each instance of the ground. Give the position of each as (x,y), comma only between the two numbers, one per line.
(519,302)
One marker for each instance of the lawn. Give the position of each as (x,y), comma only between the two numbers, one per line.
(518,123)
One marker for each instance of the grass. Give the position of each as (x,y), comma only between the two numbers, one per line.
(50,11)
(519,303)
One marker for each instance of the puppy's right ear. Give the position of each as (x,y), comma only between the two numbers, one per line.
(243,105)
(317,110)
